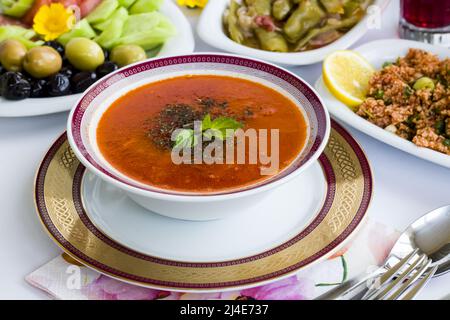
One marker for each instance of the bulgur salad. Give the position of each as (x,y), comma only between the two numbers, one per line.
(411,98)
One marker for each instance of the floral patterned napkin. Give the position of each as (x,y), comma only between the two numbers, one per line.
(64,278)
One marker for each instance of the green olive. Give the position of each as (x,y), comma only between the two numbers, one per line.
(127,54)
(84,54)
(423,83)
(12,53)
(42,62)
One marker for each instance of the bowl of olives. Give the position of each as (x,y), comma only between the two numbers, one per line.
(54,71)
(50,77)
(51,71)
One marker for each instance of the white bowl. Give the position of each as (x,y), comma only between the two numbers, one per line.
(181,43)
(84,118)
(211,31)
(378,52)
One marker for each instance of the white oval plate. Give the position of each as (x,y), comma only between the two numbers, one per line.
(378,52)
(181,43)
(211,31)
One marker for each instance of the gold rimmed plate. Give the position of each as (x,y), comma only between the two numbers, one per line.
(294,226)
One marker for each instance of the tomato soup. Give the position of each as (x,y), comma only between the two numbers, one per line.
(134,134)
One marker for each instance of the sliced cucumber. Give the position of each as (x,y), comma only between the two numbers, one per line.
(107,39)
(82,29)
(148,38)
(15,8)
(28,43)
(143,22)
(146,41)
(16,31)
(126,3)
(119,14)
(103,11)
(21,34)
(143,6)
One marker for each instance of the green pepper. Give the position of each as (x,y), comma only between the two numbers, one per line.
(333,6)
(232,22)
(281,8)
(308,15)
(260,7)
(352,7)
(271,40)
(345,23)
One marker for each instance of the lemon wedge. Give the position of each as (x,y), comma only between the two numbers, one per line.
(346,74)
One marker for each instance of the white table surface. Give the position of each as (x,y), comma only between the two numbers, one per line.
(405,187)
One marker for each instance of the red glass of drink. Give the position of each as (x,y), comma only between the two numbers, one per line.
(425,20)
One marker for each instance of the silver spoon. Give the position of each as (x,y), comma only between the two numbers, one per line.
(428,235)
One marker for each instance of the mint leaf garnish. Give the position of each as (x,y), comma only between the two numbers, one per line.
(185,139)
(223,127)
(223,123)
(220,128)
(206,122)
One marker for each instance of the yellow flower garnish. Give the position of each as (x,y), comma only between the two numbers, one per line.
(192,3)
(52,21)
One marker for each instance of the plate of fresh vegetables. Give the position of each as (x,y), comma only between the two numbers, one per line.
(53,50)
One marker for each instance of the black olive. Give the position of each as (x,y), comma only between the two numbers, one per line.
(106,54)
(7,79)
(106,68)
(58,85)
(2,69)
(13,86)
(67,71)
(65,62)
(38,88)
(26,76)
(55,45)
(17,74)
(82,80)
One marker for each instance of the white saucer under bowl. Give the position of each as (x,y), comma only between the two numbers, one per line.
(269,223)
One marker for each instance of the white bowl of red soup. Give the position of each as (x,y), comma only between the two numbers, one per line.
(201,136)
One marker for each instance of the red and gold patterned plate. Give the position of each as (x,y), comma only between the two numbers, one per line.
(297,225)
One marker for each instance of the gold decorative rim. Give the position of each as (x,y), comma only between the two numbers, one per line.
(59,206)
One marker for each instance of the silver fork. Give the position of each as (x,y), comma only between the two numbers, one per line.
(430,231)
(402,278)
